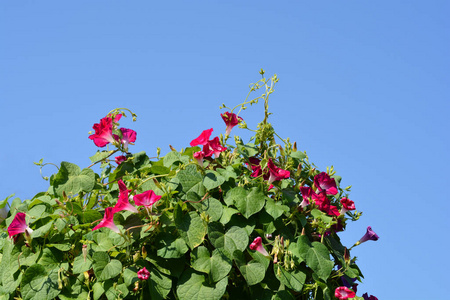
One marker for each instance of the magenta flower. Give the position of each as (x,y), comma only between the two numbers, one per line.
(120,159)
(276,173)
(307,194)
(347,205)
(19,225)
(202,139)
(371,297)
(257,246)
(103,132)
(143,274)
(230,120)
(343,293)
(128,137)
(199,157)
(122,202)
(146,199)
(370,235)
(324,183)
(213,147)
(108,221)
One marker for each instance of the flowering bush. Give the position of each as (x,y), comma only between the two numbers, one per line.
(215,220)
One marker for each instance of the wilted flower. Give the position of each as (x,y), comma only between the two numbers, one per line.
(371,297)
(324,183)
(343,293)
(230,120)
(143,274)
(257,246)
(108,221)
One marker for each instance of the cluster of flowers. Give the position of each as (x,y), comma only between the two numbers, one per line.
(104,135)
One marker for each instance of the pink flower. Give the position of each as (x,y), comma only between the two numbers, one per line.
(120,159)
(122,202)
(108,221)
(323,203)
(256,168)
(257,246)
(307,194)
(343,293)
(371,297)
(103,132)
(276,173)
(324,183)
(128,137)
(230,120)
(146,199)
(213,147)
(347,205)
(18,225)
(143,274)
(199,157)
(370,235)
(202,139)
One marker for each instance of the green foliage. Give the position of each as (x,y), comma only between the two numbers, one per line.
(196,241)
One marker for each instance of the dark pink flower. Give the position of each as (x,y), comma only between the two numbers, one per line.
(199,157)
(103,132)
(108,221)
(257,246)
(146,199)
(371,297)
(276,173)
(370,235)
(120,159)
(347,205)
(216,147)
(202,139)
(343,293)
(324,182)
(308,194)
(143,274)
(323,203)
(256,168)
(230,120)
(19,225)
(123,202)
(128,137)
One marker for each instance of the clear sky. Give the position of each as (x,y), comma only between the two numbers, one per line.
(364,86)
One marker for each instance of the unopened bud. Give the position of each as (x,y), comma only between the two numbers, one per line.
(144,252)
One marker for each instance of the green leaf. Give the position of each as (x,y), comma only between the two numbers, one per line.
(318,259)
(227,173)
(159,284)
(42,230)
(293,279)
(253,271)
(211,206)
(192,228)
(100,155)
(218,265)
(212,179)
(115,291)
(98,290)
(71,180)
(275,209)
(194,286)
(4,202)
(81,265)
(235,238)
(170,247)
(298,154)
(104,268)
(90,216)
(247,202)
(227,213)
(37,212)
(175,157)
(103,242)
(191,180)
(38,284)
(283,295)
(317,214)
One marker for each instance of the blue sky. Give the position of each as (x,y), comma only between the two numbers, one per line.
(364,86)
